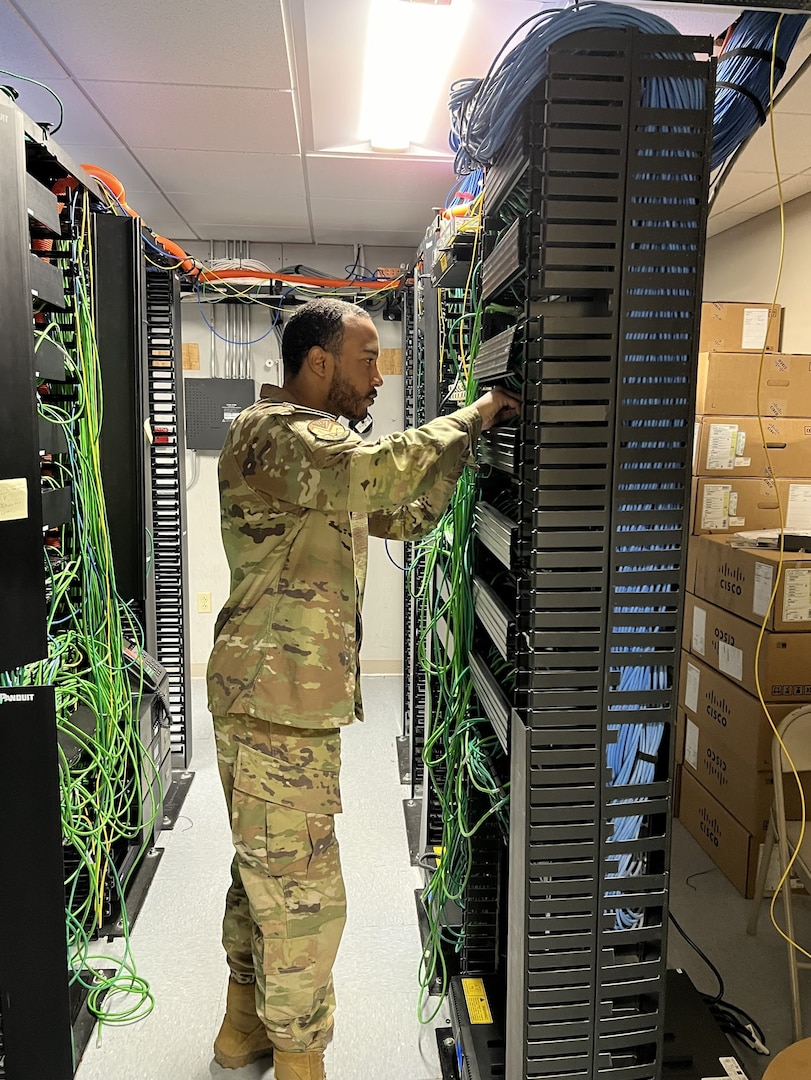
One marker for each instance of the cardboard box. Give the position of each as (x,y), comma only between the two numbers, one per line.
(735,851)
(728,505)
(741,581)
(737,719)
(728,644)
(734,446)
(738,384)
(743,791)
(725,840)
(731,327)
(746,793)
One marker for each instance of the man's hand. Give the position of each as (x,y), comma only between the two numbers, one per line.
(497,406)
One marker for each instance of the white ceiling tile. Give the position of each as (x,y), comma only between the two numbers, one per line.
(22,52)
(335,116)
(739,186)
(793,138)
(766,200)
(117,160)
(373,177)
(160,215)
(82,121)
(229,175)
(728,219)
(255,233)
(232,43)
(370,214)
(249,209)
(198,117)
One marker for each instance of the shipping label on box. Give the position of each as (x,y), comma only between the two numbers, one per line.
(751,503)
(741,580)
(733,327)
(729,644)
(755,447)
(738,384)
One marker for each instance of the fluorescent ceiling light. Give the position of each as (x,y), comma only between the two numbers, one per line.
(409,48)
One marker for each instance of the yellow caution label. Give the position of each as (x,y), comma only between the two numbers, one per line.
(476,998)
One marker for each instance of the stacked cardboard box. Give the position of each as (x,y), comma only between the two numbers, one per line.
(725,737)
(745,399)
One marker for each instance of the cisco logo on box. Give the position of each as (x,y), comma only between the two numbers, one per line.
(8,699)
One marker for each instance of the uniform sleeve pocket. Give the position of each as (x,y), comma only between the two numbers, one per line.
(281,813)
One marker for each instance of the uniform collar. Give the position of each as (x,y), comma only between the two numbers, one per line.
(277,395)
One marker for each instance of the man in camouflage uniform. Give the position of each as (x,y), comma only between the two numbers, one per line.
(300,494)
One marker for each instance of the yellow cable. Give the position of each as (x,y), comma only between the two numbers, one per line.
(784,880)
(160,266)
(462,357)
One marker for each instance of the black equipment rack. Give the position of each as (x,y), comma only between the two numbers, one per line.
(594,221)
(413,680)
(35,178)
(169,536)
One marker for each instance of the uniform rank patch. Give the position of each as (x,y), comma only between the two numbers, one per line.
(327,430)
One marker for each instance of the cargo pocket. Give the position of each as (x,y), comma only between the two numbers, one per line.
(282,814)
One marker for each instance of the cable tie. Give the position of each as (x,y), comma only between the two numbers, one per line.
(756,54)
(747,94)
(642,756)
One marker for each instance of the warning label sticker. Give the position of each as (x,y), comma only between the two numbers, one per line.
(477,1004)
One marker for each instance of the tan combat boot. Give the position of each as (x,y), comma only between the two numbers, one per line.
(309,1066)
(242,1037)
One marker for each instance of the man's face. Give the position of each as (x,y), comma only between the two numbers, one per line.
(355,375)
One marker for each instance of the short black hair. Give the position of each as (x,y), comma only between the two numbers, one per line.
(318,322)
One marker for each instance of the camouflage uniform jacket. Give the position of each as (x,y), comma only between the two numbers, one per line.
(299,495)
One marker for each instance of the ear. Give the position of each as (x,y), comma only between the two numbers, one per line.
(318,361)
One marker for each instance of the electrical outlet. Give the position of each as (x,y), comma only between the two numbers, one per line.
(204,602)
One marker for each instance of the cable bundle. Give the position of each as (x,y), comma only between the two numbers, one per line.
(744,76)
(483,111)
(101,793)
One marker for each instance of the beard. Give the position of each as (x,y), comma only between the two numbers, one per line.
(344,400)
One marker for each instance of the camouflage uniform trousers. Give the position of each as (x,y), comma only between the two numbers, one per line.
(286,908)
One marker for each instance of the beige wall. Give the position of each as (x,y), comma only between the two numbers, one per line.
(741,264)
(208,570)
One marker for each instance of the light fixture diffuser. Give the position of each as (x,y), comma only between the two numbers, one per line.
(409,49)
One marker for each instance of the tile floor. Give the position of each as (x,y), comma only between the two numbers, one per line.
(176,941)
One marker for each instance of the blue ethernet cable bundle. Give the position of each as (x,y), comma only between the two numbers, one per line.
(484,111)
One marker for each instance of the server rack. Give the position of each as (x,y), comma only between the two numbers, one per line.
(411,668)
(168,482)
(447,335)
(414,684)
(124,439)
(595,219)
(33,1041)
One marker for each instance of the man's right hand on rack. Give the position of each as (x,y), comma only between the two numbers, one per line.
(497,406)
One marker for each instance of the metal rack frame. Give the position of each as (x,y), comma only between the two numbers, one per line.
(611,188)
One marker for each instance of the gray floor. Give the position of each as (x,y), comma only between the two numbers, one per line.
(176,942)
(754,969)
